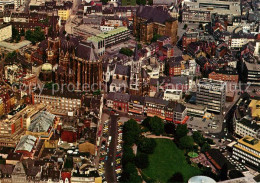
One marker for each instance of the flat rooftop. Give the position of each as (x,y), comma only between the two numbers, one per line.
(14,46)
(100,37)
(250,142)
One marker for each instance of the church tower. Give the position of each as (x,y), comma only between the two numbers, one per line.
(53,43)
(135,76)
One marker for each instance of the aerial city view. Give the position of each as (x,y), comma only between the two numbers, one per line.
(140,91)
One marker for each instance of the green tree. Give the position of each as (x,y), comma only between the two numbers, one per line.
(185,26)
(186,142)
(176,178)
(15,33)
(155,37)
(126,51)
(104,2)
(18,38)
(131,132)
(141,160)
(22,32)
(150,2)
(146,122)
(147,145)
(181,131)
(156,125)
(205,147)
(141,2)
(198,138)
(128,155)
(169,128)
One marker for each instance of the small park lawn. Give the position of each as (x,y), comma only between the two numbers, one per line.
(167,160)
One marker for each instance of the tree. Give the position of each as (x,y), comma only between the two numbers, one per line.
(141,2)
(181,131)
(18,38)
(104,2)
(128,155)
(141,160)
(169,128)
(176,178)
(22,32)
(147,145)
(198,138)
(131,132)
(150,2)
(15,33)
(186,142)
(139,46)
(146,122)
(185,26)
(155,37)
(205,147)
(126,51)
(156,125)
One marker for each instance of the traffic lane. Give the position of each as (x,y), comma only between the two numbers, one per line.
(110,170)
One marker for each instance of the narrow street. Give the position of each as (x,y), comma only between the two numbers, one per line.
(110,163)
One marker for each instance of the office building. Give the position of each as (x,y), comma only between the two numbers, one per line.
(229,7)
(247,150)
(108,39)
(212,94)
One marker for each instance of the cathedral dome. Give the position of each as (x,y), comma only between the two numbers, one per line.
(47,67)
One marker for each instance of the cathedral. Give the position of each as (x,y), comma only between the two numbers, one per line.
(73,62)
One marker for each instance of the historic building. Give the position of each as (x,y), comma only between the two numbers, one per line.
(150,21)
(139,79)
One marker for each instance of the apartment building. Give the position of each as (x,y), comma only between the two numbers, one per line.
(176,113)
(212,94)
(155,107)
(247,150)
(5,31)
(239,40)
(60,102)
(195,16)
(228,75)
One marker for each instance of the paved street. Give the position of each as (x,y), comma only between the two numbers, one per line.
(110,170)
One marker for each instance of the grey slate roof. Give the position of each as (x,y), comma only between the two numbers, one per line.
(26,143)
(42,122)
(122,70)
(149,12)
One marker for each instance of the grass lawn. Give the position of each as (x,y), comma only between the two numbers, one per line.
(166,160)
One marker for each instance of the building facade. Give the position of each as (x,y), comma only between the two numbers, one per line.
(212,94)
(146,24)
(247,150)
(5,31)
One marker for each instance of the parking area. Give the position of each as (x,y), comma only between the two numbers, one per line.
(206,126)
